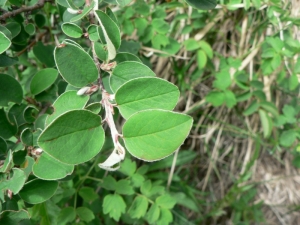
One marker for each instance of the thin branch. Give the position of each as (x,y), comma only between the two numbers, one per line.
(38,5)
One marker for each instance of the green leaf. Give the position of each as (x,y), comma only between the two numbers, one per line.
(15,183)
(287,138)
(101,51)
(7,61)
(155,134)
(84,12)
(72,30)
(39,20)
(6,32)
(124,187)
(8,163)
(67,101)
(66,215)
(93,32)
(126,71)
(94,107)
(146,188)
(7,129)
(27,165)
(109,183)
(74,137)
(128,167)
(137,180)
(16,112)
(30,113)
(146,93)
(114,205)
(165,201)
(27,137)
(160,26)
(215,98)
(207,49)
(201,59)
(30,29)
(230,99)
(37,191)
(10,217)
(223,80)
(109,33)
(3,146)
(43,80)
(10,91)
(289,113)
(191,44)
(139,207)
(153,214)
(267,123)
(186,201)
(4,42)
(123,3)
(252,108)
(165,217)
(125,56)
(88,194)
(75,65)
(48,168)
(202,4)
(270,108)
(14,28)
(44,53)
(85,214)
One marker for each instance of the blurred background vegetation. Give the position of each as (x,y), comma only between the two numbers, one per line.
(237,69)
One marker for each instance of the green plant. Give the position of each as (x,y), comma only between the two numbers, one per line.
(52,128)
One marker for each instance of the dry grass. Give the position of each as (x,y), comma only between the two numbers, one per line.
(223,139)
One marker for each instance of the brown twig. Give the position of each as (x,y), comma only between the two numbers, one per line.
(38,5)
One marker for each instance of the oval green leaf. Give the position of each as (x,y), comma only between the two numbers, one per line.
(84,12)
(155,134)
(75,65)
(266,122)
(126,71)
(6,32)
(30,29)
(43,80)
(109,33)
(14,28)
(4,42)
(10,91)
(72,30)
(66,102)
(37,191)
(74,137)
(7,129)
(48,168)
(125,56)
(146,93)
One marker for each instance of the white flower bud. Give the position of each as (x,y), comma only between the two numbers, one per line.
(82,90)
(72,11)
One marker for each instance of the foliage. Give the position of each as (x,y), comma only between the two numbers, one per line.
(78,91)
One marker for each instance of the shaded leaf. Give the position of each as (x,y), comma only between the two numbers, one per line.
(37,191)
(10,91)
(74,137)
